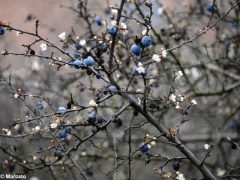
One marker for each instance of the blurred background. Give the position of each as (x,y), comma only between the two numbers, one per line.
(214,118)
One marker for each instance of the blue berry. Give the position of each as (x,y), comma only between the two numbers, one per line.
(144,147)
(176,164)
(2,31)
(135,71)
(210,8)
(78,46)
(146,41)
(91,117)
(39,105)
(67,129)
(98,20)
(234,23)
(117,121)
(61,110)
(63,133)
(234,125)
(98,75)
(227,43)
(136,49)
(112,30)
(77,64)
(103,47)
(89,61)
(112,88)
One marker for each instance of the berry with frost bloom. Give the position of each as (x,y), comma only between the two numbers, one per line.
(112,30)
(146,41)
(156,58)
(62,36)
(112,88)
(144,147)
(136,49)
(43,47)
(39,105)
(98,20)
(2,31)
(89,61)
(61,110)
(210,7)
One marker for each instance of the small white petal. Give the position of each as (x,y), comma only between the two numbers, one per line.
(113,23)
(172,97)
(160,11)
(206,146)
(53,125)
(144,31)
(164,53)
(114,12)
(37,128)
(16,96)
(156,58)
(43,47)
(194,102)
(93,103)
(83,42)
(62,36)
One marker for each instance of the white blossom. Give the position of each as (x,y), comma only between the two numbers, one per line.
(193,101)
(82,42)
(140,69)
(53,125)
(35,66)
(9,133)
(220,172)
(177,106)
(43,47)
(62,36)
(181,98)
(114,12)
(37,128)
(180,176)
(17,33)
(144,31)
(179,74)
(206,146)
(156,58)
(93,103)
(164,53)
(16,96)
(123,26)
(172,97)
(113,23)
(160,11)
